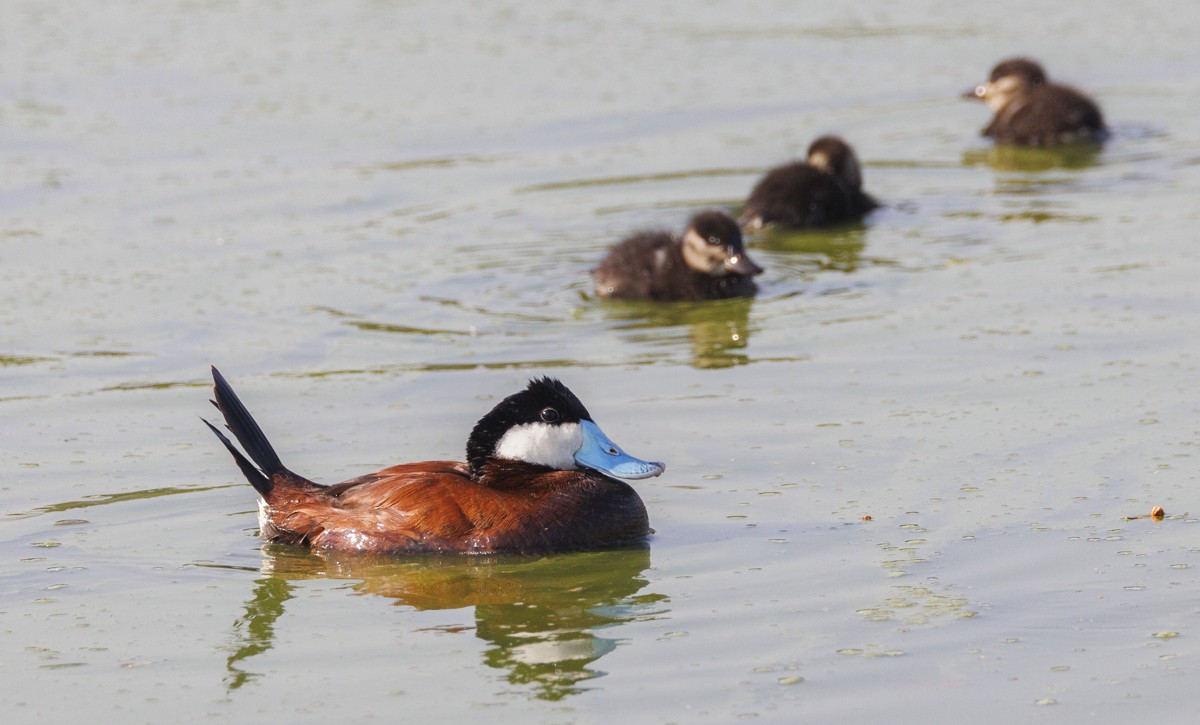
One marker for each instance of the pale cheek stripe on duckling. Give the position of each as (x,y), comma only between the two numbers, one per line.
(542,444)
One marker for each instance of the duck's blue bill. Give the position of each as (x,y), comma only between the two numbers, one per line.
(599,453)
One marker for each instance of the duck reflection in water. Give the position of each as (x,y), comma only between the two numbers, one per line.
(1035,158)
(715,334)
(543,618)
(822,250)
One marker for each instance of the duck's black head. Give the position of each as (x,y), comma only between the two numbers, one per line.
(834,156)
(1010,79)
(713,245)
(546,425)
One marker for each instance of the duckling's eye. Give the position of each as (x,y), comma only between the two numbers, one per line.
(550,415)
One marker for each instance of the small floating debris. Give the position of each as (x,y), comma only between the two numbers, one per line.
(1157,513)
(866,517)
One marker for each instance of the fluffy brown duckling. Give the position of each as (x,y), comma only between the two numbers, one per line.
(709,262)
(825,188)
(1032,111)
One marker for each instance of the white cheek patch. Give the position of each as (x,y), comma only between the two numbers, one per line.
(702,256)
(542,444)
(820,160)
(1000,93)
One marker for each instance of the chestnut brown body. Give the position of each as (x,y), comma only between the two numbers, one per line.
(436,506)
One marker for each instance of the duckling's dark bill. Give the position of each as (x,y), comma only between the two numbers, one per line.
(599,453)
(742,264)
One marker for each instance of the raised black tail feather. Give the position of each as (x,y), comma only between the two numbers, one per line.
(261,483)
(247,432)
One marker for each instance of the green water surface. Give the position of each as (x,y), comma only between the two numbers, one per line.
(908,482)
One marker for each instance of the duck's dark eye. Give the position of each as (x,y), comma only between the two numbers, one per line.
(550,415)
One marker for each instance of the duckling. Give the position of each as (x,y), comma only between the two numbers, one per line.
(1032,111)
(826,188)
(538,478)
(708,262)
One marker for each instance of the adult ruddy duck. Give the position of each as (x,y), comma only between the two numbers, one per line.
(537,479)
(1031,111)
(825,188)
(709,262)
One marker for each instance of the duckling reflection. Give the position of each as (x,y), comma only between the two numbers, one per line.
(542,617)
(1034,158)
(716,333)
(823,250)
